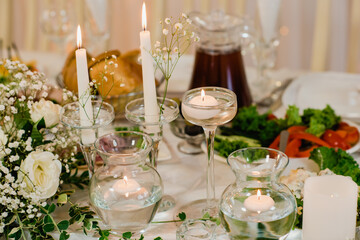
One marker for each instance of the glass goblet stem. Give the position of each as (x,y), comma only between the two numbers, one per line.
(210,177)
(156,137)
(89,153)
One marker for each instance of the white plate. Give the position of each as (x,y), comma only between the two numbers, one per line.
(340,90)
(295,163)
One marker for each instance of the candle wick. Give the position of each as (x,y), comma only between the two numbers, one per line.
(258,198)
(202,98)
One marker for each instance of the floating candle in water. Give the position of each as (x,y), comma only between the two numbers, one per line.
(126,186)
(199,102)
(258,202)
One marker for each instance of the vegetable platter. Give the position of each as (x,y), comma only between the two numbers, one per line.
(312,129)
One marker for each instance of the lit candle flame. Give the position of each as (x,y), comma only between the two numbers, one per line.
(202,95)
(144,16)
(258,194)
(125,179)
(79,41)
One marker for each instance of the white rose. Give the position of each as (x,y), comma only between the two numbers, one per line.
(3,141)
(42,172)
(47,110)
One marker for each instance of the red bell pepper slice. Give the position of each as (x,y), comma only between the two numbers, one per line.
(309,137)
(335,140)
(293,147)
(293,129)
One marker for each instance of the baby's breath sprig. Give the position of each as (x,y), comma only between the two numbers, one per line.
(176,39)
(103,81)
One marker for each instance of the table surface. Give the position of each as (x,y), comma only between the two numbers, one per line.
(183,175)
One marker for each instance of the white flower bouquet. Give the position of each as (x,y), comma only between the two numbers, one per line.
(37,153)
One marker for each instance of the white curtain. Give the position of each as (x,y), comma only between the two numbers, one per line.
(22,24)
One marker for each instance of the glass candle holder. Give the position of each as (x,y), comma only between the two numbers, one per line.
(257,206)
(208,107)
(125,191)
(152,125)
(103,115)
(193,136)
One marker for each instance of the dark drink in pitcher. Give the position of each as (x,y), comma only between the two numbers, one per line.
(222,69)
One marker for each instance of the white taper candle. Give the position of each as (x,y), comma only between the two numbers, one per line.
(86,111)
(150,98)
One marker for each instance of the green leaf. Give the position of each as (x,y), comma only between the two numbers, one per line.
(35,134)
(81,218)
(206,215)
(22,118)
(51,208)
(10,219)
(47,219)
(64,235)
(216,220)
(49,227)
(14,232)
(158,238)
(182,216)
(106,233)
(62,199)
(43,211)
(127,235)
(63,225)
(141,237)
(87,225)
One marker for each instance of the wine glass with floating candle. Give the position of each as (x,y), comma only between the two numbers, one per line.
(208,107)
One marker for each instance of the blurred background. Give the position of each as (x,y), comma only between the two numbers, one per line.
(313,34)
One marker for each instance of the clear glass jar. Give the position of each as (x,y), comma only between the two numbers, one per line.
(125,192)
(257,205)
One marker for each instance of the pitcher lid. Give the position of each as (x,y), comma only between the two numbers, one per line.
(220,32)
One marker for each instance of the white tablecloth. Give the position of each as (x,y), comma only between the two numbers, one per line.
(184,175)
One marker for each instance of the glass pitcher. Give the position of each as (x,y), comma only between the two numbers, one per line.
(257,206)
(125,192)
(218,59)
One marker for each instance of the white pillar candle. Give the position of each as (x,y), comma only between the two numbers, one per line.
(199,101)
(259,203)
(86,111)
(150,99)
(330,208)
